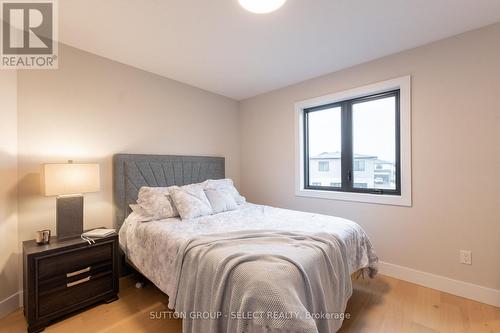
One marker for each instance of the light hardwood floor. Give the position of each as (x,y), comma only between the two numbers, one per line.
(380,305)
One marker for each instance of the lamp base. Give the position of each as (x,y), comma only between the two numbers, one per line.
(69,216)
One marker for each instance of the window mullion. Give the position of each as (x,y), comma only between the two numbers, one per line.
(347,146)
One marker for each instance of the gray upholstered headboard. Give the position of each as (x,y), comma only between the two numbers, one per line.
(132,171)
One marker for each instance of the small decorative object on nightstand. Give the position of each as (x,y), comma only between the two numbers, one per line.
(42,237)
(65,276)
(68,181)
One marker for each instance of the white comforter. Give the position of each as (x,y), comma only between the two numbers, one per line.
(168,253)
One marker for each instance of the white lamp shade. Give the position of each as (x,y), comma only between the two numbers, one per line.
(69,178)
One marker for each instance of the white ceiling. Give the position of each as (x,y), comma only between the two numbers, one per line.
(218,46)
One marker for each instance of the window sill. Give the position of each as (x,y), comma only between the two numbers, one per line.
(382,199)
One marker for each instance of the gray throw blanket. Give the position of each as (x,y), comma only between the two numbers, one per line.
(263,281)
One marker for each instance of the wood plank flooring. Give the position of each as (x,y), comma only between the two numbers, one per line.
(380,305)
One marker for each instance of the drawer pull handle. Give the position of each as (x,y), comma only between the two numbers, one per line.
(78,272)
(71,284)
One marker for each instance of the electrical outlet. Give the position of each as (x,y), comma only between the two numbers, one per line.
(466,257)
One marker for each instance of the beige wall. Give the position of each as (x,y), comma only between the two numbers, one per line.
(9,246)
(456,156)
(92,108)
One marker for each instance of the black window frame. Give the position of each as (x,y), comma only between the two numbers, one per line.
(347,172)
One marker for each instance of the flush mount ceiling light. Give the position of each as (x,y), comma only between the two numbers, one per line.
(261,6)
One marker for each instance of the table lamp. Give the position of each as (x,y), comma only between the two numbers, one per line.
(68,182)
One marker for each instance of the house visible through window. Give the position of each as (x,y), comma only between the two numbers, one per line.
(357,141)
(323,166)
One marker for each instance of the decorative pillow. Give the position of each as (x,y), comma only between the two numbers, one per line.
(226,184)
(157,203)
(221,200)
(191,201)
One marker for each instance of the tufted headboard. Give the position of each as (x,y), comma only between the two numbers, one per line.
(132,171)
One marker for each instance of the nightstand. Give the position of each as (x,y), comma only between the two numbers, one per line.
(66,276)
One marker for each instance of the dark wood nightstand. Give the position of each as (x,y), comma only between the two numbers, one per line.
(66,276)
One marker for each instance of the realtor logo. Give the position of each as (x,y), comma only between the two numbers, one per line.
(29,34)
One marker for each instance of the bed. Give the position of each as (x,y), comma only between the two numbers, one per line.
(253,269)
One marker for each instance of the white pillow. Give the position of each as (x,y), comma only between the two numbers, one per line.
(157,203)
(191,201)
(221,200)
(226,184)
(141,215)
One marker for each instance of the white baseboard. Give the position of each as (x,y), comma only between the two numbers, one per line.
(11,304)
(441,283)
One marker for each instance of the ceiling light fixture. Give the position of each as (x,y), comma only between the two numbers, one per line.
(261,6)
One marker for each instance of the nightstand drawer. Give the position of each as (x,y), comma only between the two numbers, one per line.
(71,262)
(58,282)
(75,292)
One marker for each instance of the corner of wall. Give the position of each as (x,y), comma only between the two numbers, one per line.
(10,248)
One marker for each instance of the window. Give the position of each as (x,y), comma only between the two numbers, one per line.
(323,166)
(325,138)
(359,165)
(365,135)
(357,132)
